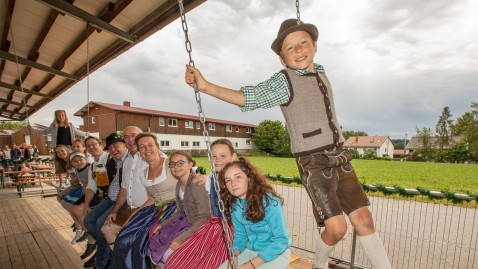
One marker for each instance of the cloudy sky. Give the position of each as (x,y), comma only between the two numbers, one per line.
(393,64)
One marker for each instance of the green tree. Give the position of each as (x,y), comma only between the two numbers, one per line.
(461,124)
(12,125)
(272,137)
(348,134)
(467,126)
(443,128)
(425,150)
(458,153)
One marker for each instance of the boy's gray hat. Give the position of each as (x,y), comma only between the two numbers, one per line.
(290,26)
(74,154)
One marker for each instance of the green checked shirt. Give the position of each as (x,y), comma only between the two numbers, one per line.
(272,92)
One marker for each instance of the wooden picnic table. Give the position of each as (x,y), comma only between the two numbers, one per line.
(33,177)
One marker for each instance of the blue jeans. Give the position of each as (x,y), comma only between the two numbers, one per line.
(94,221)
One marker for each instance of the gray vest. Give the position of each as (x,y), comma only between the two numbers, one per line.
(310,114)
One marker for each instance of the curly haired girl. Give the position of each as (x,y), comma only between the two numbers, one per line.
(261,238)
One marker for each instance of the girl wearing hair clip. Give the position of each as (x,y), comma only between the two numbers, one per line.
(261,239)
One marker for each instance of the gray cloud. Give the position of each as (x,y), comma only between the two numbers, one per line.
(393,64)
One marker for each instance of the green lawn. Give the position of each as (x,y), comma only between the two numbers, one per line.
(458,178)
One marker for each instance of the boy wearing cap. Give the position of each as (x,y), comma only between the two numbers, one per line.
(305,96)
(80,170)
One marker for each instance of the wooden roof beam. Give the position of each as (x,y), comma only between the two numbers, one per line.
(3,111)
(10,102)
(20,89)
(10,57)
(67,8)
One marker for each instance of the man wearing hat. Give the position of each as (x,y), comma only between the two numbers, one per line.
(132,191)
(305,96)
(95,219)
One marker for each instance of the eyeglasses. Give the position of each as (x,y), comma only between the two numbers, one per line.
(178,164)
(89,145)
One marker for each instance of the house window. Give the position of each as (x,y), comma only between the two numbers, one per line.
(249,130)
(237,129)
(164,143)
(173,122)
(161,121)
(228,128)
(198,125)
(93,120)
(184,143)
(237,145)
(189,124)
(248,142)
(195,143)
(211,126)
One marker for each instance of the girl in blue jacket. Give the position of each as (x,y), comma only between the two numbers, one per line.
(261,239)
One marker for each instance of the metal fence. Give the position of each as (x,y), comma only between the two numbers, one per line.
(417,231)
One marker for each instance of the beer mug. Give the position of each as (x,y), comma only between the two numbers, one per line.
(101,176)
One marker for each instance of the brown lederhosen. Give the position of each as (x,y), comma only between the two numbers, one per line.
(331,183)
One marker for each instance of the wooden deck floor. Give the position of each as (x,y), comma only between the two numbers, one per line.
(36,233)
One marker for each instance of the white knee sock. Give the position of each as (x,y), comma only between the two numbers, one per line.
(373,247)
(322,254)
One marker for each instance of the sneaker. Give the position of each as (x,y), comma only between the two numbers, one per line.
(78,235)
(62,186)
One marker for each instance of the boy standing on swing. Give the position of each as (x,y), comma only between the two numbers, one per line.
(304,94)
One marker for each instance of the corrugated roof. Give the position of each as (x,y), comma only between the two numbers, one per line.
(144,111)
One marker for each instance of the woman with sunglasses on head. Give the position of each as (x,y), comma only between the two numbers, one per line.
(192,202)
(131,243)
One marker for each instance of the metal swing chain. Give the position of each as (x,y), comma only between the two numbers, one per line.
(202,119)
(297,6)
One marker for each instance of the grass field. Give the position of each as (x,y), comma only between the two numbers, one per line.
(458,178)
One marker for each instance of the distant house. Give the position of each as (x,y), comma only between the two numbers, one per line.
(5,137)
(174,131)
(398,153)
(382,144)
(415,143)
